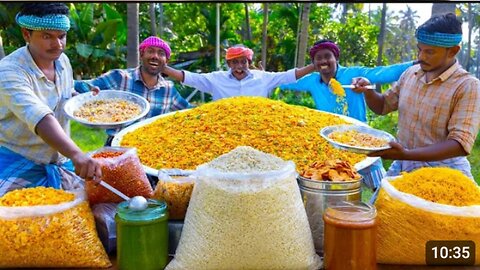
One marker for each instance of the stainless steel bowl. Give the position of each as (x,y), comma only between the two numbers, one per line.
(78,101)
(318,195)
(324,132)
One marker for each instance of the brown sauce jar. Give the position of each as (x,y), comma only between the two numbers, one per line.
(350,236)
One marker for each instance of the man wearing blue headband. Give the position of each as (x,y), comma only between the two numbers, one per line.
(37,80)
(438,103)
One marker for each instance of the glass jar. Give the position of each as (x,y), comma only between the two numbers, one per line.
(318,195)
(142,236)
(350,236)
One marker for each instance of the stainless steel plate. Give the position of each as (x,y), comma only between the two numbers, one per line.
(324,132)
(77,101)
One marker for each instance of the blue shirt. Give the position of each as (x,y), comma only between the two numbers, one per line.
(325,100)
(163,97)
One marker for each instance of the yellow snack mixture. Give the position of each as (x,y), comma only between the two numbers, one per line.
(55,239)
(440,185)
(359,139)
(404,226)
(187,139)
(108,110)
(176,194)
(337,87)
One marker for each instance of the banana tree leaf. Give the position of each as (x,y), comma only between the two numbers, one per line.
(85,50)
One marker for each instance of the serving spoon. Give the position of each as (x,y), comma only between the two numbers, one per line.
(137,203)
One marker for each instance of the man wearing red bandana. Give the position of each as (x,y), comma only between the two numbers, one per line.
(238,80)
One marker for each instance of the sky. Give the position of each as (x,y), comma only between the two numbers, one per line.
(424,11)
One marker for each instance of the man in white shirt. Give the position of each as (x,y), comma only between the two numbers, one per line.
(238,80)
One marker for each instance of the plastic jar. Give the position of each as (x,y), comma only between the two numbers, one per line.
(350,236)
(142,236)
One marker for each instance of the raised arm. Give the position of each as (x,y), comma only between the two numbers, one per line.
(375,100)
(300,72)
(176,74)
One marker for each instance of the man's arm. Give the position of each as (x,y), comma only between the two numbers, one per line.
(375,100)
(439,151)
(300,72)
(52,133)
(176,74)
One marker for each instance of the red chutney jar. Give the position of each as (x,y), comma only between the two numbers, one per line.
(350,236)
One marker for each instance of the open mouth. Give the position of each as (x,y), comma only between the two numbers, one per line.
(323,67)
(152,63)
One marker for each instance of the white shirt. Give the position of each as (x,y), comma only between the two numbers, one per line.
(222,84)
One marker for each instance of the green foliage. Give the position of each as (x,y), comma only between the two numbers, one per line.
(87,139)
(97,39)
(356,38)
(295,98)
(474,159)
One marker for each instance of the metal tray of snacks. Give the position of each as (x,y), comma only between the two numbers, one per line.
(108,109)
(359,139)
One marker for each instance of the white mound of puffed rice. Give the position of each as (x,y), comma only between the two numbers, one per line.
(231,226)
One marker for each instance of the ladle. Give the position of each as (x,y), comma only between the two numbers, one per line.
(137,203)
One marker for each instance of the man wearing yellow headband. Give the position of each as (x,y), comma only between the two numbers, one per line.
(239,80)
(438,103)
(37,80)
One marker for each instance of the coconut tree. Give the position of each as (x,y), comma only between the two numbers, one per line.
(132,35)
(303,35)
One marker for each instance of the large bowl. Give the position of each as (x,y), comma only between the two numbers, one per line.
(78,101)
(154,172)
(324,132)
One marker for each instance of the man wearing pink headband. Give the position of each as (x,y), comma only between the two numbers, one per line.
(238,80)
(145,80)
(325,55)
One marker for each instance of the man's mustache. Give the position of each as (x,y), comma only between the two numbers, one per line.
(423,63)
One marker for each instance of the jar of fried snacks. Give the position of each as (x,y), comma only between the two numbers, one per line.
(142,236)
(350,236)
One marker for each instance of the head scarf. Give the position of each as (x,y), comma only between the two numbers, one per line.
(236,52)
(437,39)
(325,45)
(48,22)
(154,41)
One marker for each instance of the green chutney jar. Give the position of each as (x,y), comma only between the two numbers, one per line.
(142,236)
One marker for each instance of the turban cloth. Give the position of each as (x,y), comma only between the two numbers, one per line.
(236,52)
(155,42)
(48,22)
(325,45)
(437,39)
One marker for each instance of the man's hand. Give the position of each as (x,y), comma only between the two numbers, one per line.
(360,84)
(87,167)
(397,152)
(94,89)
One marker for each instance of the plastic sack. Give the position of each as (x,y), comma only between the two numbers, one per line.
(121,168)
(406,222)
(104,214)
(61,234)
(176,192)
(246,221)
